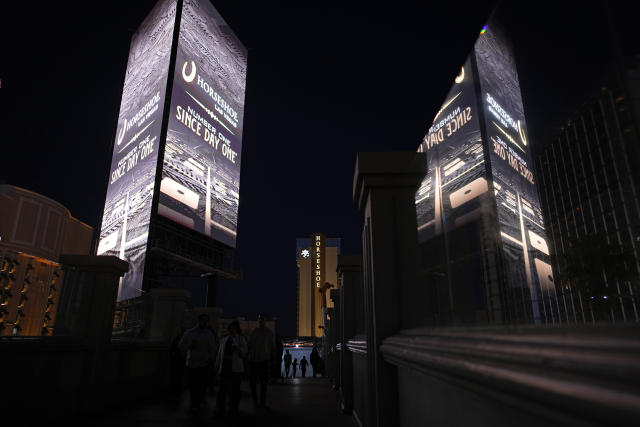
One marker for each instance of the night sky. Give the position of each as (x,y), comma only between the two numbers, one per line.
(325,81)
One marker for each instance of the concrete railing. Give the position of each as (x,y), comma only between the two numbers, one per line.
(394,371)
(81,369)
(517,376)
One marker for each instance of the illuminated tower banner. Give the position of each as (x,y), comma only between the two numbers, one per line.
(199,158)
(480,169)
(201,173)
(127,211)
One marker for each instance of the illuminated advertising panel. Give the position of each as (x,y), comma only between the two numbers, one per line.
(449,195)
(479,166)
(127,211)
(317,249)
(524,242)
(201,169)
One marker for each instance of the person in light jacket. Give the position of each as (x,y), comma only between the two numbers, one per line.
(230,366)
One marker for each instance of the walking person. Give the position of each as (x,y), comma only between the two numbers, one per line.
(230,367)
(303,366)
(295,366)
(287,363)
(315,359)
(177,363)
(261,352)
(200,346)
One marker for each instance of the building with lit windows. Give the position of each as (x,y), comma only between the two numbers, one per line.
(317,260)
(589,182)
(34,232)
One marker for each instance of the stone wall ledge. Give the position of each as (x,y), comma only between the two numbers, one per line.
(583,372)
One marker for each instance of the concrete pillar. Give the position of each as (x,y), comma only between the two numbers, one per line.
(384,188)
(168,311)
(350,273)
(85,310)
(88,297)
(336,341)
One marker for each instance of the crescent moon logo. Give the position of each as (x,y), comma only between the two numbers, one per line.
(460,76)
(189,78)
(521,133)
(121,136)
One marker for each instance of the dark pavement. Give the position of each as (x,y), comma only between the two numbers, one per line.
(304,402)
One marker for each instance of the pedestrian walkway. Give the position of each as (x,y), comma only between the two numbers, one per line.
(304,402)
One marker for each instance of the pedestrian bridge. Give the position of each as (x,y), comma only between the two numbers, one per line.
(304,402)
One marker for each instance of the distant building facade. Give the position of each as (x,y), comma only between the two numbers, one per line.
(34,232)
(589,184)
(317,260)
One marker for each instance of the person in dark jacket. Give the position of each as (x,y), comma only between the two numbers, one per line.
(230,366)
(287,363)
(200,345)
(295,366)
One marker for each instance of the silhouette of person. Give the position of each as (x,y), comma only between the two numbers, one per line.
(177,365)
(200,345)
(261,352)
(315,361)
(295,366)
(230,366)
(303,366)
(287,362)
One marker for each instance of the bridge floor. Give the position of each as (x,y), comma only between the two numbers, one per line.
(305,402)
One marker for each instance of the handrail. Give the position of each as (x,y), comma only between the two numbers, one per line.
(583,371)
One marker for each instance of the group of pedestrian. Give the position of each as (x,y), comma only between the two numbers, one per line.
(229,359)
(291,364)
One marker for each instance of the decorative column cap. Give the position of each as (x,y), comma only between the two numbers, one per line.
(349,263)
(387,169)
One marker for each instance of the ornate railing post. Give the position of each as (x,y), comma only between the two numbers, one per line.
(350,273)
(86,308)
(384,188)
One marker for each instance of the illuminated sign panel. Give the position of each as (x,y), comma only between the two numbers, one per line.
(317,248)
(486,172)
(201,170)
(525,250)
(127,211)
(449,196)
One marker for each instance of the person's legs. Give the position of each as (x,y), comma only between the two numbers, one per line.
(235,392)
(192,387)
(304,372)
(225,382)
(264,375)
(253,372)
(286,370)
(201,390)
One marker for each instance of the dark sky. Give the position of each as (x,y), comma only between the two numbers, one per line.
(325,81)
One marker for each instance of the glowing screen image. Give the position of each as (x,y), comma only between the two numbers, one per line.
(201,169)
(127,211)
(524,245)
(450,193)
(479,166)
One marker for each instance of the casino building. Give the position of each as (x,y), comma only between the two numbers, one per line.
(34,232)
(317,260)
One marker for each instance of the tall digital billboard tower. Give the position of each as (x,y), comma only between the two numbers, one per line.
(479,218)
(179,136)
